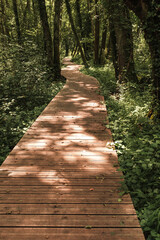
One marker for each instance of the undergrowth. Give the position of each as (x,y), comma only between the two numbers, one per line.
(26,87)
(137,141)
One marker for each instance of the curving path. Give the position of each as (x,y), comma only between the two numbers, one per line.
(60,182)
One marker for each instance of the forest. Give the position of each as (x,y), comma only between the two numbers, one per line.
(118,42)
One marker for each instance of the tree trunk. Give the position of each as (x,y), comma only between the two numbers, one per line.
(17,20)
(56,40)
(66,48)
(7,3)
(149,14)
(27,11)
(74,51)
(124,40)
(75,32)
(108,47)
(96,36)
(88,31)
(103,45)
(79,22)
(78,11)
(46,32)
(113,44)
(4,20)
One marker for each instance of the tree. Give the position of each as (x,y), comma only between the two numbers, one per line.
(46,32)
(97,32)
(4,26)
(26,14)
(103,42)
(113,46)
(149,14)
(124,41)
(75,32)
(17,21)
(79,17)
(88,31)
(79,22)
(56,40)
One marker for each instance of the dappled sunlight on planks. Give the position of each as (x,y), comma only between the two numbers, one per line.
(63,174)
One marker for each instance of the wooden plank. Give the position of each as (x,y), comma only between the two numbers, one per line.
(80,184)
(70,135)
(71,120)
(51,171)
(71,147)
(67,162)
(68,221)
(69,175)
(90,197)
(71,234)
(77,151)
(73,127)
(109,154)
(61,136)
(20,181)
(68,131)
(33,142)
(57,188)
(44,209)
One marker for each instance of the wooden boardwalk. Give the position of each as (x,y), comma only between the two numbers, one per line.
(61,182)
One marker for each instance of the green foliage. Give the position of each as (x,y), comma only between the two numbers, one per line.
(26,87)
(137,142)
(77,59)
(141,51)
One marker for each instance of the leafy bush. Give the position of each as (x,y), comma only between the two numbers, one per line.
(26,87)
(137,141)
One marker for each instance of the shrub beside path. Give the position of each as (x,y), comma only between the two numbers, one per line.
(61,180)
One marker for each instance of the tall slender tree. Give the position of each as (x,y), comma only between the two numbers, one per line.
(4,19)
(26,15)
(56,40)
(97,32)
(113,46)
(15,9)
(75,32)
(89,30)
(124,41)
(103,43)
(149,14)
(46,32)
(79,22)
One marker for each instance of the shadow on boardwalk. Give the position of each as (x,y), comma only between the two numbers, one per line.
(61,179)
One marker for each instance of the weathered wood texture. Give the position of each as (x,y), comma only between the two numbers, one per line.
(61,181)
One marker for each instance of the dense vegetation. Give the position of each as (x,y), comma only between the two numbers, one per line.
(26,87)
(137,142)
(119,44)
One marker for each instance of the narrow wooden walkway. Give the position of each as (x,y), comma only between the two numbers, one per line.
(61,182)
